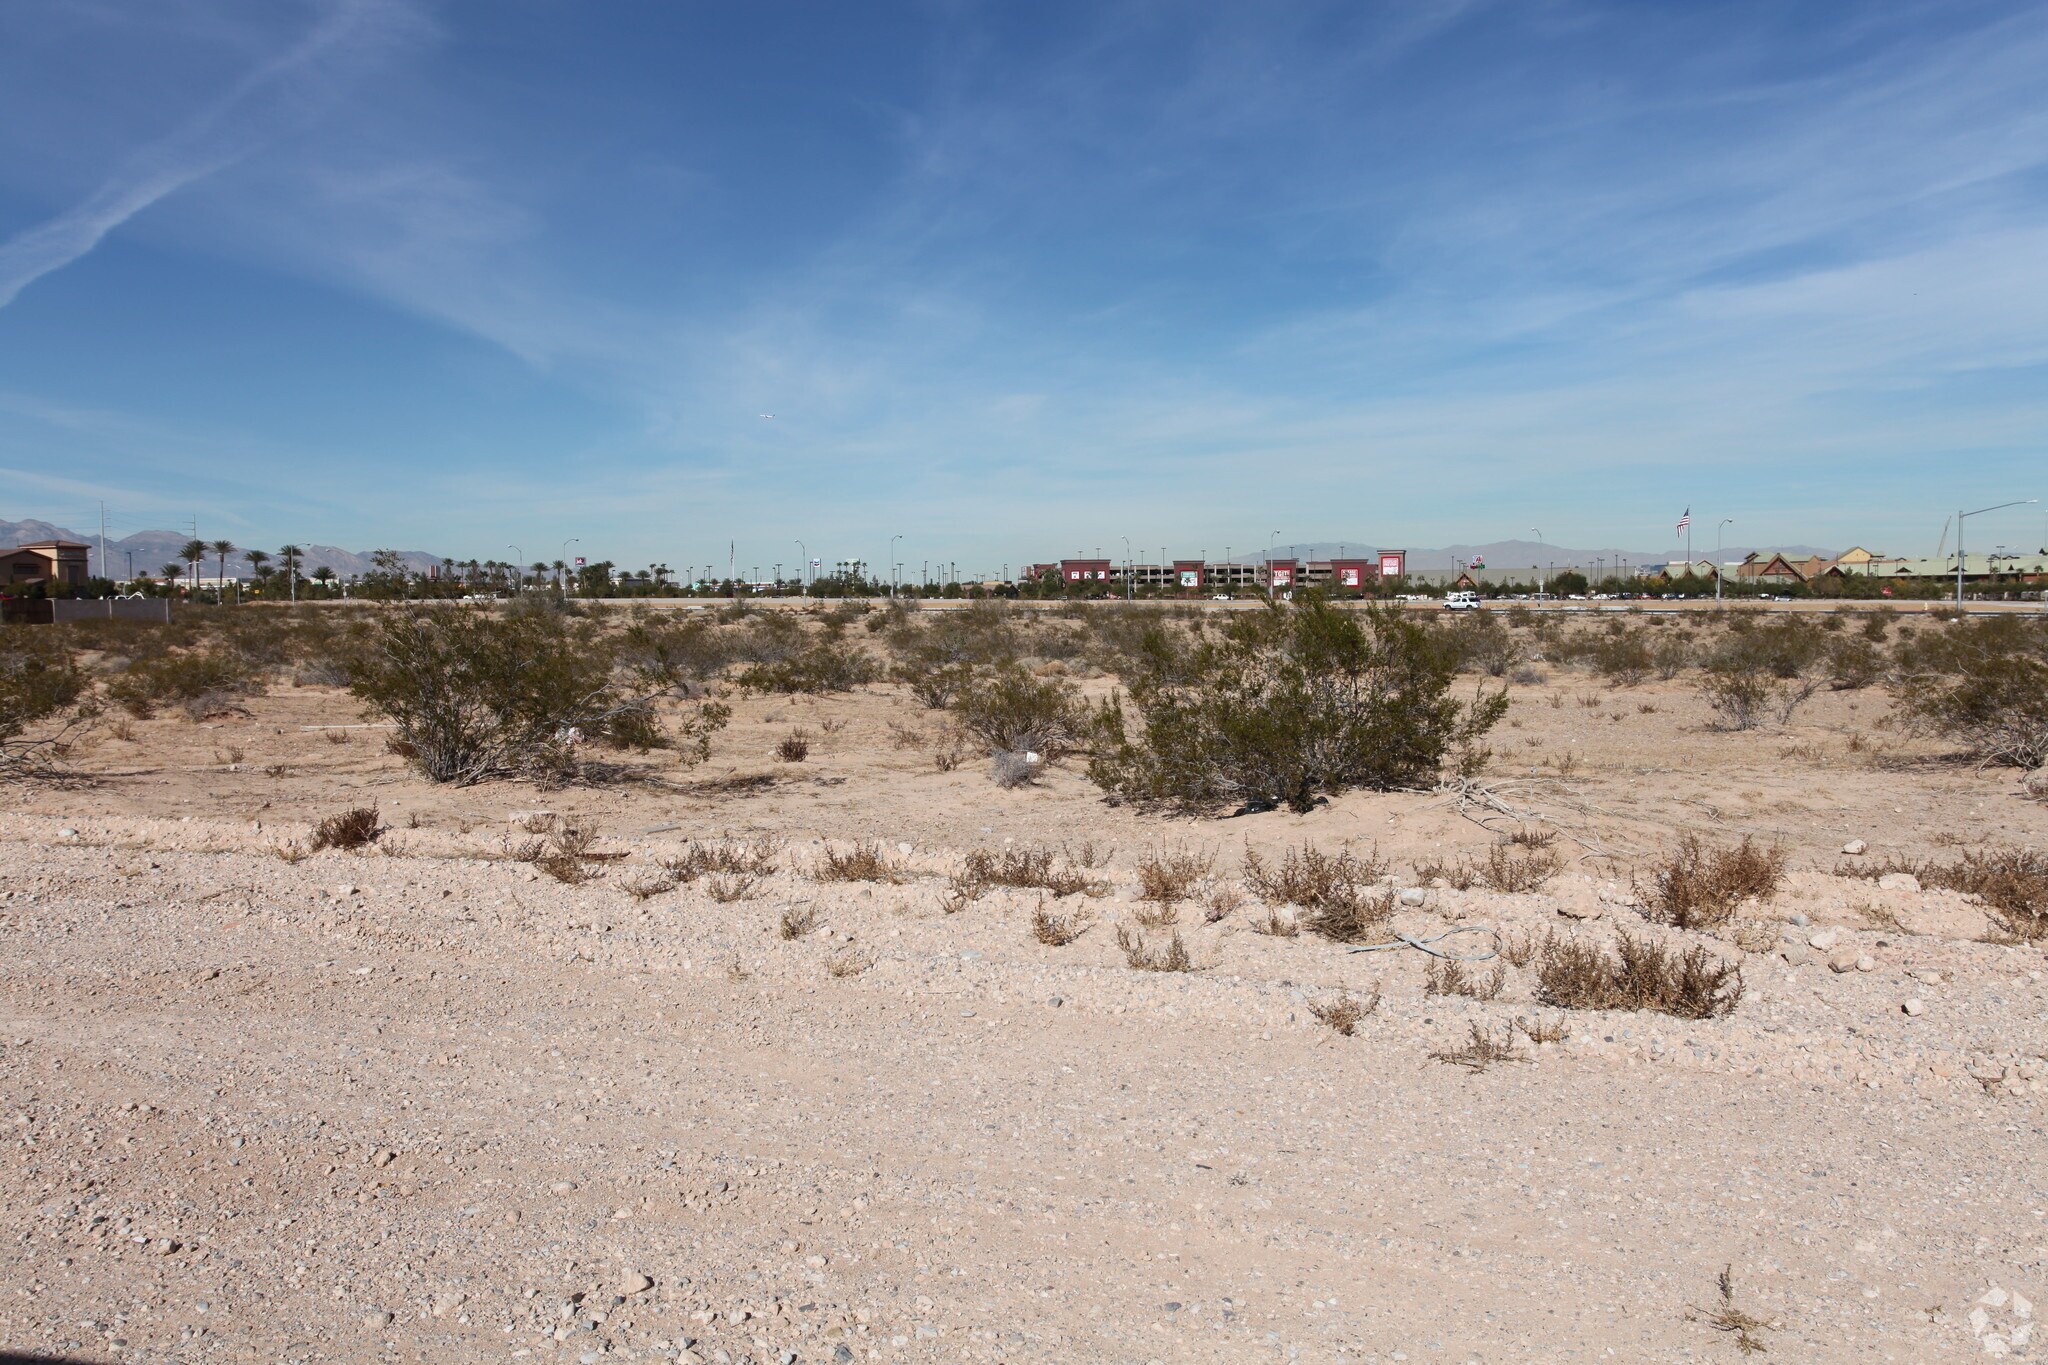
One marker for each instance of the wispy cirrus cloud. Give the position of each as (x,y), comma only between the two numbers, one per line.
(253,111)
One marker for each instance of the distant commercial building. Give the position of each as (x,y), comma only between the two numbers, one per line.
(50,562)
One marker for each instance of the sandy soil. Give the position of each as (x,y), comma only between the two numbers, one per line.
(423,1103)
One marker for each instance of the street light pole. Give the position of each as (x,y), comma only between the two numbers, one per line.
(892,566)
(1542,579)
(518,561)
(2022,502)
(803,566)
(1127,568)
(572,540)
(1725,522)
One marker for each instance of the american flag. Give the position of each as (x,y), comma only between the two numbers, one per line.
(1685,520)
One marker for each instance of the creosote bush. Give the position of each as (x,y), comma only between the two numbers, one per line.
(39,680)
(1639,975)
(1983,683)
(475,695)
(1295,703)
(1700,885)
(349,829)
(822,666)
(205,682)
(1011,712)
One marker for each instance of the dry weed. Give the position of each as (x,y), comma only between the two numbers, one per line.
(291,852)
(1458,876)
(1335,892)
(1219,900)
(1141,956)
(1504,870)
(1343,1011)
(1029,868)
(1482,1050)
(849,961)
(1449,976)
(1056,930)
(1641,975)
(1522,949)
(728,887)
(864,862)
(1168,877)
(1726,1317)
(349,829)
(650,884)
(754,859)
(1541,1030)
(1273,924)
(796,921)
(795,746)
(1700,886)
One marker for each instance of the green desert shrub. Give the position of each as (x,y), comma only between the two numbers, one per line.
(1294,703)
(1982,683)
(827,665)
(39,679)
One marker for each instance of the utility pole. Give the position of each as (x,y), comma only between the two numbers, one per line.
(1725,521)
(105,567)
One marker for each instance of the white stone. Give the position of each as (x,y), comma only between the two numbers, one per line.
(1823,939)
(1898,881)
(1865,962)
(635,1284)
(1994,1297)
(1915,1007)
(1414,896)
(1855,848)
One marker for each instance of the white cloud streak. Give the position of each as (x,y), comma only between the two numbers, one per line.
(228,128)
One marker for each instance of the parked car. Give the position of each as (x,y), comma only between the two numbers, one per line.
(1461,601)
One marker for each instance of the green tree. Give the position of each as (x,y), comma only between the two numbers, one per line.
(257,559)
(193,553)
(223,548)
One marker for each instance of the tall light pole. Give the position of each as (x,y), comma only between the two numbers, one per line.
(572,540)
(803,565)
(1725,522)
(1271,541)
(518,563)
(1127,568)
(892,565)
(1542,579)
(2022,502)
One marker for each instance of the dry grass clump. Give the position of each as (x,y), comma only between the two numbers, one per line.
(289,852)
(1449,976)
(1056,930)
(1726,1317)
(1169,876)
(795,746)
(1343,1011)
(1273,924)
(796,921)
(564,853)
(723,857)
(1700,886)
(1335,892)
(349,829)
(1640,975)
(1219,900)
(1030,868)
(1142,956)
(1541,1030)
(1508,871)
(1522,949)
(728,887)
(1482,1050)
(849,961)
(2013,883)
(864,862)
(1458,876)
(649,884)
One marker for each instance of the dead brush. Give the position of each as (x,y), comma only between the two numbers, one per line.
(795,921)
(1517,873)
(1056,930)
(1541,1030)
(1531,838)
(1336,893)
(864,862)
(649,884)
(1639,975)
(723,856)
(2012,883)
(1458,876)
(1143,957)
(1522,949)
(1448,976)
(335,737)
(1482,1050)
(1028,868)
(565,854)
(1088,855)
(1273,924)
(1726,1317)
(1700,886)
(1169,876)
(1343,1011)
(795,746)
(290,852)
(349,829)
(1219,900)
(728,887)
(230,757)
(848,961)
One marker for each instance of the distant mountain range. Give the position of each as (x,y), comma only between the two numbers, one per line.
(1522,554)
(149,551)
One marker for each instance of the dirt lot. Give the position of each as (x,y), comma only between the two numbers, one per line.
(423,1102)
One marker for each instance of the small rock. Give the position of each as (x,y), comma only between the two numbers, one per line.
(67,834)
(163,1246)
(376,1320)
(905,848)
(447,1301)
(1797,918)
(1855,848)
(383,1156)
(1823,939)
(1797,954)
(1865,962)
(1915,1007)
(635,1284)
(1898,881)
(1414,896)
(345,890)
(1842,960)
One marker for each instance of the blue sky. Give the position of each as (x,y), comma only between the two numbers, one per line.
(1020,280)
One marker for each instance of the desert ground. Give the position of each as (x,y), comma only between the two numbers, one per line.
(425,1101)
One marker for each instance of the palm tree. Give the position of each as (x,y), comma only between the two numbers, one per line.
(223,548)
(193,552)
(539,568)
(171,572)
(289,557)
(323,575)
(257,559)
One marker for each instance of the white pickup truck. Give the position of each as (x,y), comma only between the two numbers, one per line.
(1461,601)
